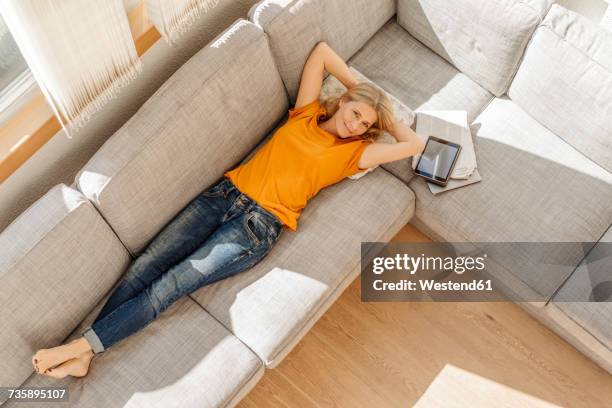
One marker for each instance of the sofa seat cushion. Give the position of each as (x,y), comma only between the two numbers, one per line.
(586,297)
(565,82)
(535,188)
(416,76)
(56,261)
(270,306)
(201,121)
(184,358)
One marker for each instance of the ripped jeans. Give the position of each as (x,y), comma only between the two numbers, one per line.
(220,233)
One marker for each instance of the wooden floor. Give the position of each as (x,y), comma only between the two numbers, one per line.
(387,354)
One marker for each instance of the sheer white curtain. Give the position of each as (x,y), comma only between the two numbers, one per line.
(81,52)
(8,51)
(606,21)
(174,17)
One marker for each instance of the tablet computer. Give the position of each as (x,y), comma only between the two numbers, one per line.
(437,160)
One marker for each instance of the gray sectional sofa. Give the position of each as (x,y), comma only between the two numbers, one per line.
(536,81)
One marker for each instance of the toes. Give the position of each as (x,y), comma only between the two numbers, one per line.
(46,359)
(51,373)
(55,373)
(73,367)
(35,362)
(59,371)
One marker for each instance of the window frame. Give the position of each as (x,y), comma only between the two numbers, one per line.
(30,122)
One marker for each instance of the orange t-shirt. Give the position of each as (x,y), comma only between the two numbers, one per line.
(299,160)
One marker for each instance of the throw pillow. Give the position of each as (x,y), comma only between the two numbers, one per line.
(332,87)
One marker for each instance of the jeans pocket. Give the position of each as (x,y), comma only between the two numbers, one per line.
(254,227)
(214,191)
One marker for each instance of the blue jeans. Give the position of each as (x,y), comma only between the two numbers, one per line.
(218,234)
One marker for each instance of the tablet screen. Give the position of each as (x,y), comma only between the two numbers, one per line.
(437,159)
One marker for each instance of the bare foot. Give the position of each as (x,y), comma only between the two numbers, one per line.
(48,358)
(76,367)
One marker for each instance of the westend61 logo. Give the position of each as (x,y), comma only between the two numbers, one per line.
(412,264)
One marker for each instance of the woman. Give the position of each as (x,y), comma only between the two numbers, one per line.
(232,225)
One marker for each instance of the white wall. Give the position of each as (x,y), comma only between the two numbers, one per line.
(60,158)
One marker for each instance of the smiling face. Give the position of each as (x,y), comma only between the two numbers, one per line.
(353,118)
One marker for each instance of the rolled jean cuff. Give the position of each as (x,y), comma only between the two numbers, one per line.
(93,339)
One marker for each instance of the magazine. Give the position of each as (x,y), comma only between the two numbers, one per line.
(452,126)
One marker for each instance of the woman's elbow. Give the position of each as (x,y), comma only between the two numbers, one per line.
(322,48)
(319,50)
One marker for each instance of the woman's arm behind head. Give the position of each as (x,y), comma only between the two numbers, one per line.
(322,58)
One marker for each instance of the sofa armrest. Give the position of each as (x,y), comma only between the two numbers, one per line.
(58,260)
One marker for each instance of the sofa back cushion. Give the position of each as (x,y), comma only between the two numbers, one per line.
(57,261)
(208,115)
(483,39)
(295,27)
(565,82)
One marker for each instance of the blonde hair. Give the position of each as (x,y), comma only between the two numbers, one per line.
(374,97)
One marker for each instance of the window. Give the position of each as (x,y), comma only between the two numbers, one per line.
(17,85)
(26,120)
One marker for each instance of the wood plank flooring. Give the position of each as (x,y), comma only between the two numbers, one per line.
(387,354)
